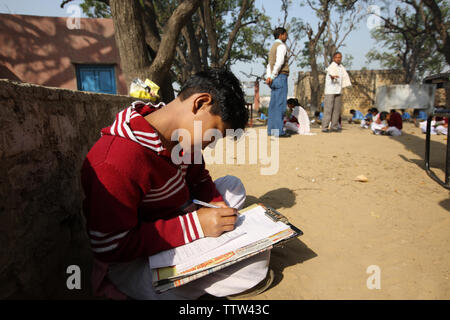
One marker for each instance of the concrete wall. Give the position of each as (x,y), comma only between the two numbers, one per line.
(361,96)
(45,133)
(406,96)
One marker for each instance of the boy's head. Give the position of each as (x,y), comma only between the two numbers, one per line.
(317,114)
(215,98)
(383,115)
(352,111)
(392,111)
(374,111)
(280,33)
(292,103)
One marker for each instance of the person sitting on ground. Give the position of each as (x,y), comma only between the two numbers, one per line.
(261,117)
(138,193)
(439,125)
(298,121)
(406,117)
(357,116)
(317,117)
(379,124)
(419,116)
(395,124)
(368,118)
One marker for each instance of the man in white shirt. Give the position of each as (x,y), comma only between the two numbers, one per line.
(335,80)
(276,77)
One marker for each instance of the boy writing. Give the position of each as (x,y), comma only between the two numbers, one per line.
(139,201)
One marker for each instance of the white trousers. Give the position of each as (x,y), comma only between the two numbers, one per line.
(394,131)
(135,279)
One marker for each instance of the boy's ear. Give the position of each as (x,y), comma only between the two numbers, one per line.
(201,100)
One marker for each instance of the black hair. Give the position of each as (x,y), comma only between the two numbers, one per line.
(317,113)
(374,110)
(336,53)
(392,110)
(383,115)
(278,32)
(226,92)
(352,111)
(293,101)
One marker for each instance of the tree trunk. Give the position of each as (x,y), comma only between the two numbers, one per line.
(134,57)
(134,54)
(314,82)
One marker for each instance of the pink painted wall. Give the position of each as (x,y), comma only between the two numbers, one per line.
(44,51)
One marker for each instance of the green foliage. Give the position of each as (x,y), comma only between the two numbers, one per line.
(95,9)
(404,43)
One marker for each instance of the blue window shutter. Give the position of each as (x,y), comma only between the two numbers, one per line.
(96,78)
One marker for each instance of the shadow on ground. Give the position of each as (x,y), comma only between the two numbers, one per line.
(416,145)
(294,251)
(445,204)
(279,198)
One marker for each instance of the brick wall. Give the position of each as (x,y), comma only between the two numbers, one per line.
(360,96)
(45,133)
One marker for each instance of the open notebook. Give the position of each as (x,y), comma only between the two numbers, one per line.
(257,229)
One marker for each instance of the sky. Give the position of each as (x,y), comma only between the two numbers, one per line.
(358,43)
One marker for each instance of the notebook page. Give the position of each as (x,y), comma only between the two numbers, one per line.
(257,226)
(251,226)
(199,247)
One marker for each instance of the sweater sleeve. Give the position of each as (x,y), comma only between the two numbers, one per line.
(201,185)
(115,232)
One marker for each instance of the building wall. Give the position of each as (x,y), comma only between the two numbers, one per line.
(44,51)
(360,96)
(45,134)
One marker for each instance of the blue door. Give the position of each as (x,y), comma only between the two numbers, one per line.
(96,78)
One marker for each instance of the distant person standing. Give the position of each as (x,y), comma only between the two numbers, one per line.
(336,79)
(277,74)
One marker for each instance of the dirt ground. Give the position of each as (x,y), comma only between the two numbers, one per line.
(399,220)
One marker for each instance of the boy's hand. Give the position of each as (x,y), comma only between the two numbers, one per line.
(214,221)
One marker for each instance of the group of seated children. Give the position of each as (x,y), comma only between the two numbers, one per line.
(439,125)
(389,124)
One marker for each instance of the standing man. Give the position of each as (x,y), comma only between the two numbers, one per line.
(336,79)
(277,75)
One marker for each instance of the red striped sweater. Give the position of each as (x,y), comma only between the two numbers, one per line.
(134,192)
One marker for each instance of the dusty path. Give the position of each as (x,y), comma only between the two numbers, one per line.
(399,220)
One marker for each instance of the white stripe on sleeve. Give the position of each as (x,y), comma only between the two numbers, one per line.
(198,225)
(186,240)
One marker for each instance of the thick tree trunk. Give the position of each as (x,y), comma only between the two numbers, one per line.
(135,55)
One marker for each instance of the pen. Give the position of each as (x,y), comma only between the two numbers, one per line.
(208,205)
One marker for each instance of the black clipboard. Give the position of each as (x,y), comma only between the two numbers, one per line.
(276,216)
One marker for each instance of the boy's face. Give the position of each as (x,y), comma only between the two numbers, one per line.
(199,120)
